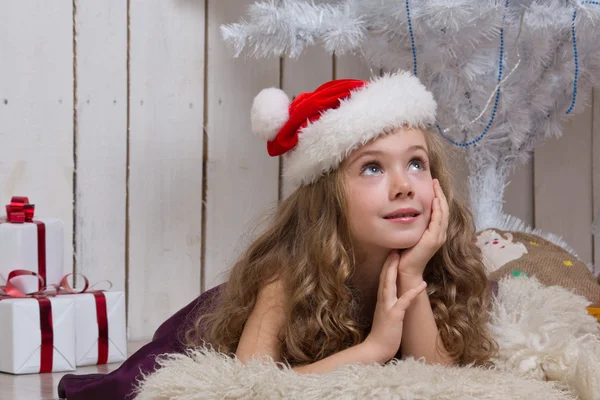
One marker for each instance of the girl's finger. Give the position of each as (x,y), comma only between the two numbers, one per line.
(436,216)
(444,227)
(440,192)
(391,260)
(390,289)
(445,207)
(408,296)
(436,188)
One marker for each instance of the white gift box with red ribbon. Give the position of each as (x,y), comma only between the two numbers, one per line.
(31,244)
(37,335)
(100,331)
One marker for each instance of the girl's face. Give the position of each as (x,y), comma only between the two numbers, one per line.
(389,191)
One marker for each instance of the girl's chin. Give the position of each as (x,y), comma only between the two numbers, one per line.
(403,243)
(392,241)
(403,246)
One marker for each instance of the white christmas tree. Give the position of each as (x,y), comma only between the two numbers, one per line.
(505,73)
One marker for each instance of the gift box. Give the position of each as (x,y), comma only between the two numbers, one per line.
(34,244)
(100,332)
(37,335)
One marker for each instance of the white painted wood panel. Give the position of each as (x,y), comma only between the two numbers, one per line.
(304,74)
(242,180)
(563,190)
(36,109)
(518,195)
(596,173)
(165,182)
(353,66)
(101,140)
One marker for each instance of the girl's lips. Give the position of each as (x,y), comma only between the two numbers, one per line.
(403,220)
(403,212)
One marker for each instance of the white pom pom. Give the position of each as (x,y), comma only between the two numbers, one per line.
(269,113)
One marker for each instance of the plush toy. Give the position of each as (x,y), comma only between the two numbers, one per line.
(505,252)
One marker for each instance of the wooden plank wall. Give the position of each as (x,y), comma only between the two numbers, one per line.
(596,173)
(37,108)
(166,118)
(130,122)
(100,140)
(242,181)
(563,197)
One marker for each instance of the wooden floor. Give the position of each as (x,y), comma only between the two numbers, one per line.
(43,386)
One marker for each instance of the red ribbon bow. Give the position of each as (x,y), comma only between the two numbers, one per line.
(42,296)
(13,291)
(19,210)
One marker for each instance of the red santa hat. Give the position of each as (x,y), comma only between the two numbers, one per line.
(319,129)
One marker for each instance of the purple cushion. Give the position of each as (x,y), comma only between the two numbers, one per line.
(120,383)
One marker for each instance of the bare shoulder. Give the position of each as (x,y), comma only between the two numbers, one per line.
(262,329)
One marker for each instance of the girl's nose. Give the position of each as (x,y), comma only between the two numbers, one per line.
(400,186)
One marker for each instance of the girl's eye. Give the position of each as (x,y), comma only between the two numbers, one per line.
(418,164)
(371,169)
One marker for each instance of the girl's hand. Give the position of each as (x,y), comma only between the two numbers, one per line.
(386,332)
(413,260)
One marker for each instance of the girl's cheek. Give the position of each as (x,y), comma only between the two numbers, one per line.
(425,187)
(427,199)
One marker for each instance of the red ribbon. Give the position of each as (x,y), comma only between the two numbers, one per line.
(101,313)
(47,347)
(13,291)
(46,328)
(102,318)
(20,211)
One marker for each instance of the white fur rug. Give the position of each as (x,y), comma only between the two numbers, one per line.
(549,349)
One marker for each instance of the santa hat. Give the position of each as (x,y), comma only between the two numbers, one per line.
(319,129)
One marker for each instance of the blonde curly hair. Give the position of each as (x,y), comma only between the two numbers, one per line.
(309,248)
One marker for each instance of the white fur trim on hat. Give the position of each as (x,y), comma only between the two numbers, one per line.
(385,103)
(270,111)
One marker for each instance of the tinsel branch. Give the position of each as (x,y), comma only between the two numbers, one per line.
(456,54)
(543,56)
(286,27)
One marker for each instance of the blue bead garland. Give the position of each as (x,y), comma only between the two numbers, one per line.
(500,70)
(412,38)
(575,56)
(496,100)
(576,76)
